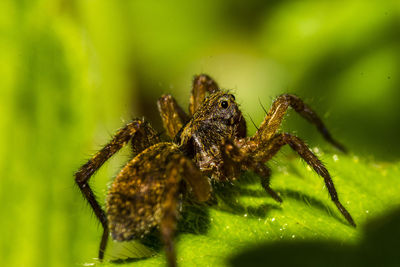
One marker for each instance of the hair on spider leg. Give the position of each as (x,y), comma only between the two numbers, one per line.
(251,119)
(262,106)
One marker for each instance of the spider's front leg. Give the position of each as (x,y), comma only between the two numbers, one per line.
(136,128)
(274,118)
(172,115)
(202,84)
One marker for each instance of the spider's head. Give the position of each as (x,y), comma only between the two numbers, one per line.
(220,109)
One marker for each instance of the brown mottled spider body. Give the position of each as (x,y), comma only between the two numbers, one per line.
(210,143)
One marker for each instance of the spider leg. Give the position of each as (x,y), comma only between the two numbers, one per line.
(144,137)
(202,84)
(305,153)
(265,175)
(274,118)
(236,159)
(82,176)
(168,226)
(179,168)
(199,184)
(172,115)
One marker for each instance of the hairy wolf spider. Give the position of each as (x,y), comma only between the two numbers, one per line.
(209,144)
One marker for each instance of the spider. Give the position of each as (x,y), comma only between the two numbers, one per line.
(208,145)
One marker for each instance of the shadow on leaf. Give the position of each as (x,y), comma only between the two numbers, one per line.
(379,247)
(312,203)
(228,195)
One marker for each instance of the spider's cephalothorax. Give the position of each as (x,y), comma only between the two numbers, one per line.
(209,143)
(217,120)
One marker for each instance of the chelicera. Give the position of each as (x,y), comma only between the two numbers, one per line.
(209,144)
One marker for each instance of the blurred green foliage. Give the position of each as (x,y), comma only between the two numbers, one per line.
(71,72)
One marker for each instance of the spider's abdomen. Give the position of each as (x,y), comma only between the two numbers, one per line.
(137,196)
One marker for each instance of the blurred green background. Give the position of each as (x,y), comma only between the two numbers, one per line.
(71,72)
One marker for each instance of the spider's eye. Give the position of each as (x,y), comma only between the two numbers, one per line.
(224,104)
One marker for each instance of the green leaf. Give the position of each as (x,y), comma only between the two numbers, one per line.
(247,227)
